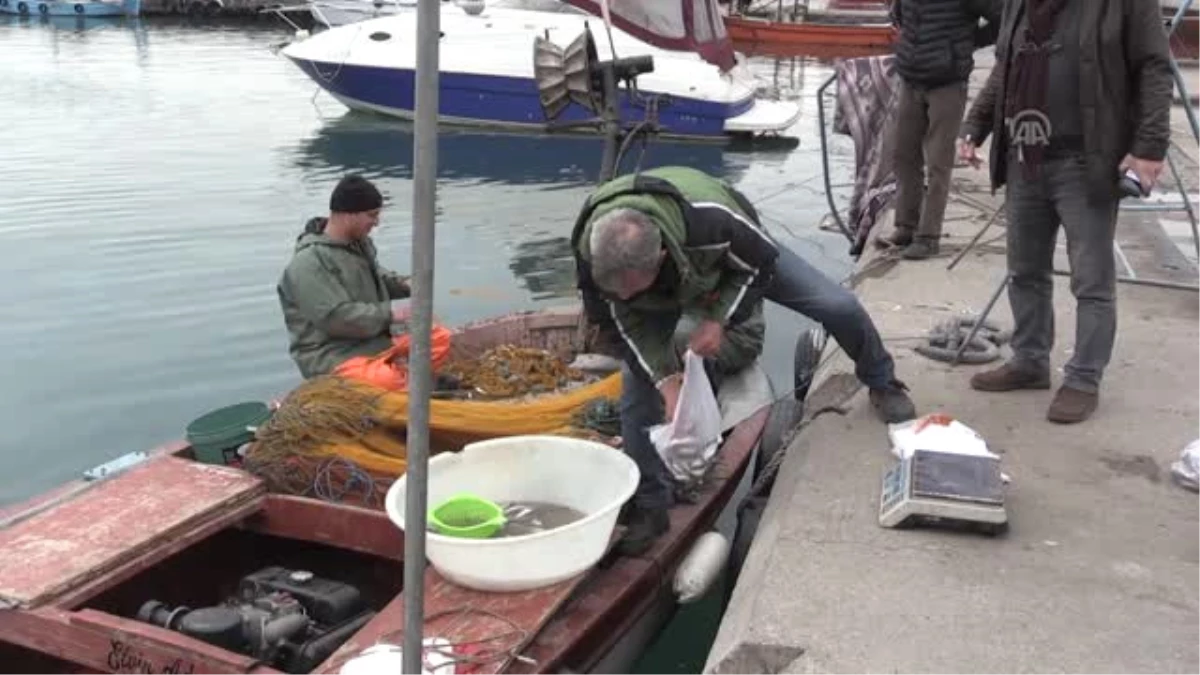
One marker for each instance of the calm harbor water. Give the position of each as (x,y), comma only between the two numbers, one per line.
(155,174)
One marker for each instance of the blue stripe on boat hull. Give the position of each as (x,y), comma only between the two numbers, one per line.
(503,101)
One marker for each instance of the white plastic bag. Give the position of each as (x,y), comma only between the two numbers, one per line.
(688,444)
(1186,469)
(385,657)
(936,433)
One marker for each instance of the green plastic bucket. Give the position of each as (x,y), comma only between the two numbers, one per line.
(218,433)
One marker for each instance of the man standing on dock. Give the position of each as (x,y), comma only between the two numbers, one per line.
(934,58)
(673,242)
(1080,95)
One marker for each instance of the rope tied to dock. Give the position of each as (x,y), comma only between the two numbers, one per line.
(948,341)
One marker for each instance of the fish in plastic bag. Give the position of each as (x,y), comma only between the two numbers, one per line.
(936,432)
(688,444)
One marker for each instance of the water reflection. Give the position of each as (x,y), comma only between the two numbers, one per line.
(81,28)
(175,159)
(368,143)
(546,267)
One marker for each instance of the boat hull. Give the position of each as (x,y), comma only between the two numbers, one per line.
(498,102)
(765,36)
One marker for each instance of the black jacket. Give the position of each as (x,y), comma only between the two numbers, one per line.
(938,38)
(1125,90)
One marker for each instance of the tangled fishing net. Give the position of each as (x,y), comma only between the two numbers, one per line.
(343,439)
(508,371)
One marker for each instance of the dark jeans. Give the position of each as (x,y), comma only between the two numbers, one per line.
(927,123)
(1036,208)
(801,288)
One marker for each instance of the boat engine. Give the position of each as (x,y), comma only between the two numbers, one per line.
(289,619)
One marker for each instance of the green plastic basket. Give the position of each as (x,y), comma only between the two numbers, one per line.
(468,516)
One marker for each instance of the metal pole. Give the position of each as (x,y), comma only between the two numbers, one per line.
(1177,18)
(979,235)
(612,123)
(420,366)
(1187,202)
(1156,283)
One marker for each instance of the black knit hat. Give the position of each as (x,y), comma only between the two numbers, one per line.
(355,194)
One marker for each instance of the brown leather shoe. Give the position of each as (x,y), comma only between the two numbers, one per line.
(1072,405)
(1009,378)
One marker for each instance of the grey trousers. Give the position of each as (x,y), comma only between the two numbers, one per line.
(927,124)
(1036,208)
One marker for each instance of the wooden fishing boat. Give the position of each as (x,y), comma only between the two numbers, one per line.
(160,563)
(804,37)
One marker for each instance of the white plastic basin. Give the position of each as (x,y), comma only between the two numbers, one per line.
(585,475)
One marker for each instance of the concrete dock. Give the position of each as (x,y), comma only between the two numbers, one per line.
(1100,570)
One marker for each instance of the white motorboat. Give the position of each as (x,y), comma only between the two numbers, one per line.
(487,77)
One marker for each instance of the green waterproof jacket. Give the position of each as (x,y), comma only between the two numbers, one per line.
(720,261)
(336,300)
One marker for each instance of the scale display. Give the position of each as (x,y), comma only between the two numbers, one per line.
(941,488)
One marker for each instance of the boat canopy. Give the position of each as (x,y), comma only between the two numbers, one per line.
(680,25)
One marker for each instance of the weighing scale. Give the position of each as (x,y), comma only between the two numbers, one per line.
(943,488)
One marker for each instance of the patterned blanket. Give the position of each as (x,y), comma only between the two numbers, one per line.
(867,92)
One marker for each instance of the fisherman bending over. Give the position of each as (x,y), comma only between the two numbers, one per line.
(336,299)
(674,241)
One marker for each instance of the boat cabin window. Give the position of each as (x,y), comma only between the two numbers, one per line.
(380,36)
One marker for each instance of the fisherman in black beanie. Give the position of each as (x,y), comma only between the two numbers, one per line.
(336,298)
(355,194)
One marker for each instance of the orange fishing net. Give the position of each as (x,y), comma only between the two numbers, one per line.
(363,419)
(388,369)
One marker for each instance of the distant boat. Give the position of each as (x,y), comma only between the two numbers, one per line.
(84,8)
(839,27)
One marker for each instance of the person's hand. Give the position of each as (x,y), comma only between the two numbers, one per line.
(670,394)
(706,339)
(968,153)
(1147,170)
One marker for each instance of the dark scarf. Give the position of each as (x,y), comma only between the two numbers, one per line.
(1028,80)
